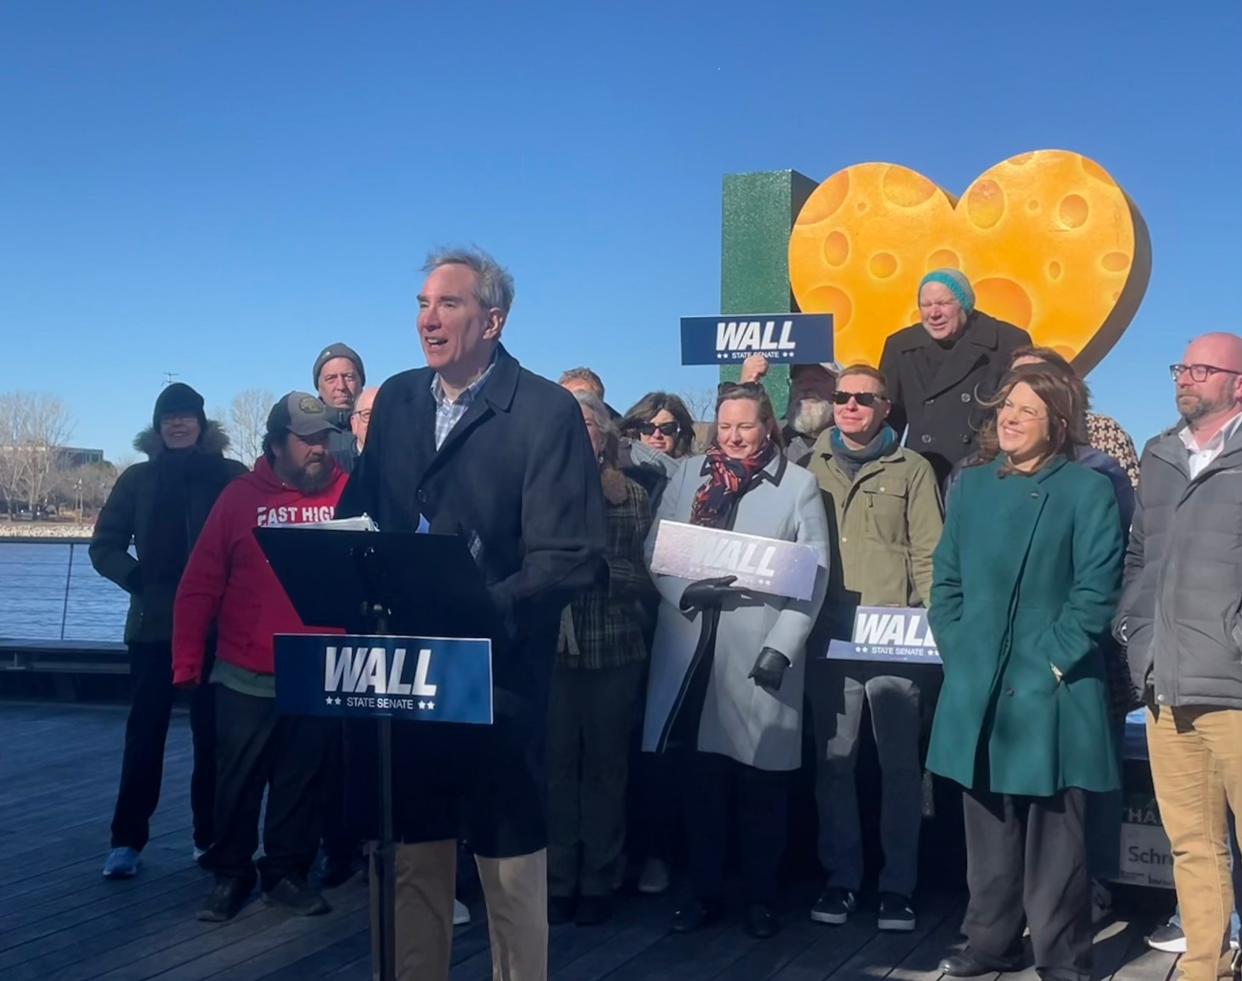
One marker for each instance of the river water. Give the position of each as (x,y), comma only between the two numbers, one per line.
(33,576)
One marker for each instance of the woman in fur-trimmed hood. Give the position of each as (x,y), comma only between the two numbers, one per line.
(159,506)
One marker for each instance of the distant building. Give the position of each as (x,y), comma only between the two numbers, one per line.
(72,457)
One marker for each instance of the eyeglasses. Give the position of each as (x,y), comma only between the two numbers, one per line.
(669,429)
(865,399)
(363,414)
(1198,372)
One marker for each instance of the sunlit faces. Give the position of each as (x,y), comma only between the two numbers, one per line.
(740,432)
(1216,360)
(453,326)
(663,435)
(810,394)
(853,419)
(179,430)
(339,383)
(1022,426)
(942,314)
(303,461)
(360,418)
(597,438)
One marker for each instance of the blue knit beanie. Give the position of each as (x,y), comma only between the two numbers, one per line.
(955,282)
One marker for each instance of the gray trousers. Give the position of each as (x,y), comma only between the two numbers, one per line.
(836,690)
(591,716)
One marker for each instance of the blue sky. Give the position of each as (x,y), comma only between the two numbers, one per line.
(219,189)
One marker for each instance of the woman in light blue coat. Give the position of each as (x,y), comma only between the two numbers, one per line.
(727,665)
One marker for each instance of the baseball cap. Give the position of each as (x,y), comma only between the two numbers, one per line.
(299,413)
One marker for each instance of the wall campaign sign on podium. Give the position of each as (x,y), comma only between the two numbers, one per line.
(427,679)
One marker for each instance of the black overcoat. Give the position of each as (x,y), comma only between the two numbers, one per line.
(941,413)
(518,479)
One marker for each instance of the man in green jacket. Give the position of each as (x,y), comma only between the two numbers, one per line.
(885,517)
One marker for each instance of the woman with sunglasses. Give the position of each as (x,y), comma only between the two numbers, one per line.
(725,689)
(662,423)
(656,434)
(1026,580)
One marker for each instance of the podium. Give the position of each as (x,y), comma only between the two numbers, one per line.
(403,601)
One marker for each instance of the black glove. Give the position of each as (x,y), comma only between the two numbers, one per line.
(708,593)
(769,669)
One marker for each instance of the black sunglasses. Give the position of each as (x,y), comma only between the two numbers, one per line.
(669,429)
(865,399)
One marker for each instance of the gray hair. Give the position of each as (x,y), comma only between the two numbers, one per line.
(603,422)
(493,283)
(583,374)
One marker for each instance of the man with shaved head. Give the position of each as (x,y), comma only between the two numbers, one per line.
(1181,616)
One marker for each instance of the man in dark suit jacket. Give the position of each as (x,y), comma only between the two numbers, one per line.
(475,445)
(938,370)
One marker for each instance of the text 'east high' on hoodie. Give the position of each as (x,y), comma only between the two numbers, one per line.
(228,582)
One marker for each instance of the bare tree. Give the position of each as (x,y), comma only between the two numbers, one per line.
(83,488)
(47,428)
(247,423)
(701,402)
(11,413)
(34,426)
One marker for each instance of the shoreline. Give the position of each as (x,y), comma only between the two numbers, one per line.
(44,529)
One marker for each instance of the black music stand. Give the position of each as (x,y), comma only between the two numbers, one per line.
(381,583)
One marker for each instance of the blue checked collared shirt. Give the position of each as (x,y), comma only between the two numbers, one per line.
(448,412)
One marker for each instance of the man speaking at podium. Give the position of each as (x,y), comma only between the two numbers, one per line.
(475,445)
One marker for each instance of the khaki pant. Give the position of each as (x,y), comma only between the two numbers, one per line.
(1196,764)
(516,891)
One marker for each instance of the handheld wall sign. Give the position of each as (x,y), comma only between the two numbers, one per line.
(888,633)
(765,565)
(427,679)
(785,338)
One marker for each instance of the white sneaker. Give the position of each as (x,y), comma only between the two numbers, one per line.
(461,915)
(1168,938)
(1101,902)
(655,878)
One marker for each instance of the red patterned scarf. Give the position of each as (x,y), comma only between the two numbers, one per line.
(729,479)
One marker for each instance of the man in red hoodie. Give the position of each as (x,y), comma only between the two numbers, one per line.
(229,585)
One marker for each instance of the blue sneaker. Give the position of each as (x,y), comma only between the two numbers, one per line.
(122,863)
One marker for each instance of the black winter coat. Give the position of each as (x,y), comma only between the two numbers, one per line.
(128,516)
(940,414)
(518,479)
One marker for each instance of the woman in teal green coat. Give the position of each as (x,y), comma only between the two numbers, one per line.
(1027,575)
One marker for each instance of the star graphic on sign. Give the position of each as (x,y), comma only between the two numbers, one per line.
(422,705)
(328,700)
(338,700)
(863,650)
(431,705)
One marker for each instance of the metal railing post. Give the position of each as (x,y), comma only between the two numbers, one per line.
(64,610)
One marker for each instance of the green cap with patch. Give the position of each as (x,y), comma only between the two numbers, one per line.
(299,413)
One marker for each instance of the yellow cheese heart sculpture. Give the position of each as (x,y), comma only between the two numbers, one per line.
(1048,239)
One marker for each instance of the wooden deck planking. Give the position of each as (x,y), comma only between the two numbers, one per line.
(59,919)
